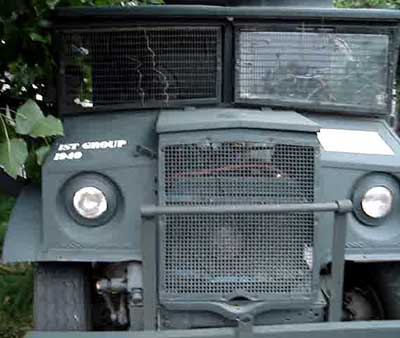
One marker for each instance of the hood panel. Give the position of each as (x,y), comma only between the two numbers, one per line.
(229,118)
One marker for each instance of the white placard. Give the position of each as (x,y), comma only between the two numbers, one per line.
(353,141)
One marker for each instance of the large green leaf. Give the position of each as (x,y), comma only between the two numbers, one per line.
(41,154)
(48,126)
(13,154)
(39,38)
(31,121)
(27,116)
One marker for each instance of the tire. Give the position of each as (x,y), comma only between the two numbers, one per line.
(387,283)
(62,297)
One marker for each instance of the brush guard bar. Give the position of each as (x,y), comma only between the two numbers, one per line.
(149,234)
(373,329)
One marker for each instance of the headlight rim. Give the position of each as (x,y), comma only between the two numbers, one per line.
(98,181)
(368,182)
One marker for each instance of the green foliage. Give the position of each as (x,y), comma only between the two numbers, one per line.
(15,286)
(31,121)
(27,69)
(13,154)
(14,327)
(26,131)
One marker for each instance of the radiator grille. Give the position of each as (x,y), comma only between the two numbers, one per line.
(143,66)
(331,69)
(215,256)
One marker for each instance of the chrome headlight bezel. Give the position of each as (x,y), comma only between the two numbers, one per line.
(96,182)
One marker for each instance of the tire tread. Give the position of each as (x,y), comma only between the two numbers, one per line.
(61,297)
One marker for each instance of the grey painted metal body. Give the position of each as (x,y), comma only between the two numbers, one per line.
(191,119)
(288,3)
(215,12)
(372,329)
(341,207)
(269,3)
(42,229)
(135,171)
(23,237)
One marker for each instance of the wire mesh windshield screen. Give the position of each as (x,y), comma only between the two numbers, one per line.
(143,66)
(216,257)
(338,71)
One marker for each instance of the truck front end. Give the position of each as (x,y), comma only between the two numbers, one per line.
(226,171)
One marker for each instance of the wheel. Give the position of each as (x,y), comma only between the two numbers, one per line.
(62,297)
(361,298)
(387,281)
(361,302)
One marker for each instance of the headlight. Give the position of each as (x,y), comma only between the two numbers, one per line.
(90,202)
(377,202)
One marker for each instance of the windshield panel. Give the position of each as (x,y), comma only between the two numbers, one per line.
(142,66)
(322,69)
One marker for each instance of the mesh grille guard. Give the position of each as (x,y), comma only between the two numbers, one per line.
(215,257)
(143,66)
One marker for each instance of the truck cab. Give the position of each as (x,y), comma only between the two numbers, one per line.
(228,169)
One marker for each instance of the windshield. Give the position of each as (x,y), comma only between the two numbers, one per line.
(314,68)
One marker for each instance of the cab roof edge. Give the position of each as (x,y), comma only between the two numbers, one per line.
(267,3)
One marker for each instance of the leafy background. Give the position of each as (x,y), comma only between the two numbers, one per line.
(27,121)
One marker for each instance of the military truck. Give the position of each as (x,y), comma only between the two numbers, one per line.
(227,170)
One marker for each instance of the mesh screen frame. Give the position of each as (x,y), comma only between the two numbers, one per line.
(66,61)
(292,138)
(305,27)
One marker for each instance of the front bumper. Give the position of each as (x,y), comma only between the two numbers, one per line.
(340,208)
(373,329)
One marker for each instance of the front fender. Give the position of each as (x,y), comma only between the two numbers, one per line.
(24,238)
(10,186)
(22,242)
